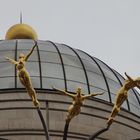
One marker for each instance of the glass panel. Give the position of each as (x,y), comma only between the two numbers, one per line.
(132,98)
(72,87)
(52,70)
(75,74)
(7,69)
(119,76)
(7,53)
(7,82)
(105,96)
(111,79)
(35,82)
(113,97)
(71,60)
(7,45)
(135,109)
(96,80)
(33,68)
(108,73)
(65,50)
(84,56)
(49,57)
(113,86)
(138,94)
(124,105)
(49,82)
(92,67)
(46,46)
(137,91)
(26,44)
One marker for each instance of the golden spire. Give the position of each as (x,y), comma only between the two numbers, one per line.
(20,17)
(21,31)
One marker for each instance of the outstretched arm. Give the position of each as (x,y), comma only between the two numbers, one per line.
(92,94)
(11,60)
(64,92)
(129,78)
(31,51)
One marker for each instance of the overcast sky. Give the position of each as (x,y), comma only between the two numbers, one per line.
(106,29)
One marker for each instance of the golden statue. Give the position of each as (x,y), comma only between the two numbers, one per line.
(24,76)
(78,101)
(122,94)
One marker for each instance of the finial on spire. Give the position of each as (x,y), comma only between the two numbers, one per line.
(20,17)
(21,31)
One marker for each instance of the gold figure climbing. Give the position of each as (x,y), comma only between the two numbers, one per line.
(78,101)
(122,95)
(24,75)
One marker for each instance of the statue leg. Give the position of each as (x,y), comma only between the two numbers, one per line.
(25,80)
(22,81)
(115,111)
(31,90)
(32,94)
(72,112)
(69,114)
(35,101)
(68,118)
(113,114)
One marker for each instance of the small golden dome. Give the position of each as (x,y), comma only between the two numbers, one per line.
(21,31)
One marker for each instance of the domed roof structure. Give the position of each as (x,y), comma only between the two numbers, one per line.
(66,68)
(59,65)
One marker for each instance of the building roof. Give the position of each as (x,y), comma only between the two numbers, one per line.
(59,65)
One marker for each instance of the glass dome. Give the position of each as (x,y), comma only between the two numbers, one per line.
(59,65)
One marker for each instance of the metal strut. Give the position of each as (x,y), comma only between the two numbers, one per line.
(92,137)
(43,123)
(66,130)
(20,17)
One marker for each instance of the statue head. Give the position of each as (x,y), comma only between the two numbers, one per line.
(78,91)
(21,56)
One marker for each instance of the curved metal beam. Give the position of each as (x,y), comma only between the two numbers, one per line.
(92,137)
(65,131)
(43,123)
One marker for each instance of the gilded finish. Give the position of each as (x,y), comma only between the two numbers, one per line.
(24,75)
(78,101)
(21,31)
(122,95)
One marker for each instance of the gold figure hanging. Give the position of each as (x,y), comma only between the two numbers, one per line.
(122,95)
(24,75)
(78,100)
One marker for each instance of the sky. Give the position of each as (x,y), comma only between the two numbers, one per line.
(106,29)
